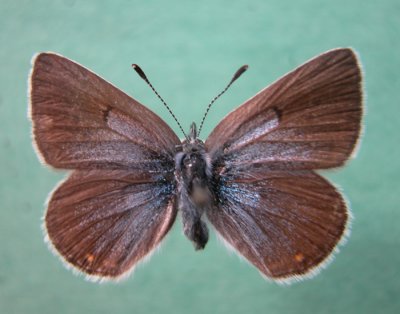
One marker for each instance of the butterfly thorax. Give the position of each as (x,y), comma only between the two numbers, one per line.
(193,174)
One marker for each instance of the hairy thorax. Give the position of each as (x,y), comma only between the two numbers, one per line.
(193,174)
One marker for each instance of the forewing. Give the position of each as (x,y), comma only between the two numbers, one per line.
(308,119)
(102,222)
(287,224)
(80,121)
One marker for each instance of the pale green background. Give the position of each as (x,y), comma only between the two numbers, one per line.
(190,50)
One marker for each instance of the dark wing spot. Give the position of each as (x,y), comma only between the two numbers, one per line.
(106,113)
(278,113)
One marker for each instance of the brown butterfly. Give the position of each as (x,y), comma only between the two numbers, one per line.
(253,178)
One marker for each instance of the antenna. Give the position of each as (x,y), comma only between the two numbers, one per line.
(237,74)
(144,77)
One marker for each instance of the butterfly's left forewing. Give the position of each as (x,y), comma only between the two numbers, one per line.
(273,208)
(80,121)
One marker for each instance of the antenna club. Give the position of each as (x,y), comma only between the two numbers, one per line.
(239,72)
(139,71)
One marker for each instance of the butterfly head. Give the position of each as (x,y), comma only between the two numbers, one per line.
(192,143)
(193,132)
(192,156)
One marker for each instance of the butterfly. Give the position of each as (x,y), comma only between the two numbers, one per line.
(253,179)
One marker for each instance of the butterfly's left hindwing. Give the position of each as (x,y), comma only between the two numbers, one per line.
(102,222)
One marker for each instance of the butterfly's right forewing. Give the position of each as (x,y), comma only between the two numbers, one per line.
(308,119)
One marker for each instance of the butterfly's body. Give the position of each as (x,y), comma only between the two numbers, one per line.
(194,187)
(254,178)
